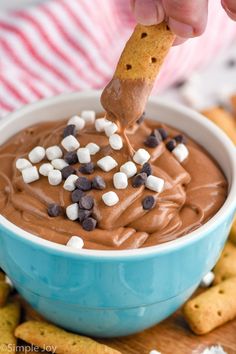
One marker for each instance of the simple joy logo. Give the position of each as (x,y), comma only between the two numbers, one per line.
(8,348)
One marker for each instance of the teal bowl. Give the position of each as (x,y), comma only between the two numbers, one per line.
(116,293)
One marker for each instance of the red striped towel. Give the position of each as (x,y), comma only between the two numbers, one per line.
(69,45)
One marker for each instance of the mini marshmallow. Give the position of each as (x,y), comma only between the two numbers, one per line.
(54,177)
(154,352)
(77,121)
(180,152)
(72,211)
(37,154)
(93,148)
(207,280)
(141,156)
(54,152)
(70,143)
(21,164)
(88,116)
(83,155)
(214,350)
(120,180)
(191,96)
(110,198)
(45,168)
(111,129)
(129,168)
(107,163)
(59,164)
(9,282)
(116,142)
(101,124)
(155,184)
(75,242)
(69,184)
(30,174)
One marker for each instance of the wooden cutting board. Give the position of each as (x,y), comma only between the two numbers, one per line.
(173,336)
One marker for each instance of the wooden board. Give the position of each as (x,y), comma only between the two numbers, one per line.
(173,336)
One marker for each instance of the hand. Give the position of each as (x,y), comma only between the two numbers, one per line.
(230,8)
(186,18)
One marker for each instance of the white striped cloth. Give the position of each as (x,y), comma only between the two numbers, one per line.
(68,45)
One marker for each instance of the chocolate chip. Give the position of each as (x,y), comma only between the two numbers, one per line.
(87,168)
(83,214)
(67,171)
(151,141)
(171,145)
(69,130)
(157,134)
(83,183)
(180,139)
(98,183)
(89,224)
(163,132)
(95,213)
(71,157)
(86,202)
(54,210)
(139,180)
(147,169)
(179,84)
(148,202)
(231,63)
(76,195)
(141,119)
(221,105)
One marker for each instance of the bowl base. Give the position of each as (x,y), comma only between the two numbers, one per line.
(104,323)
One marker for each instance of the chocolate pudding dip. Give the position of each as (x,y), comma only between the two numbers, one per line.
(186,194)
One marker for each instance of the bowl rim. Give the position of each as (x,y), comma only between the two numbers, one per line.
(229,205)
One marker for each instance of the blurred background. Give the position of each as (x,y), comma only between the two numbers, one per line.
(13,4)
(48,47)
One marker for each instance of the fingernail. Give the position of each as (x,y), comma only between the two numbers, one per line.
(181,29)
(147,13)
(179,40)
(160,13)
(145,19)
(231,14)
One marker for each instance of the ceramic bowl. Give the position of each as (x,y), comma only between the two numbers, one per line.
(116,293)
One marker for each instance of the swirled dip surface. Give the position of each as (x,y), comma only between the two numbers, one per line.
(194,191)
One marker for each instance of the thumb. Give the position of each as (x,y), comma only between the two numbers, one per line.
(148,12)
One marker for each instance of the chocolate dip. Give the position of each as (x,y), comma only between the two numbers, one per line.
(194,190)
(125,100)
